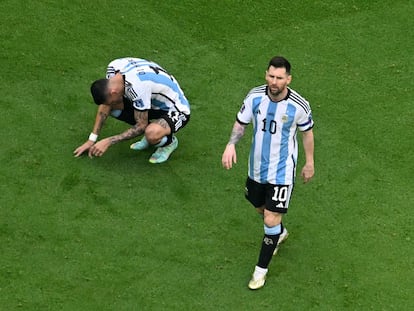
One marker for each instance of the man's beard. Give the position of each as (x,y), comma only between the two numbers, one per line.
(275,93)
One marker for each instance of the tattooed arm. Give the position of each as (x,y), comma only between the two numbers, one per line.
(101,116)
(237,133)
(141,117)
(229,155)
(100,147)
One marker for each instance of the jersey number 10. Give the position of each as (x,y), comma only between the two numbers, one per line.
(270,126)
(280,194)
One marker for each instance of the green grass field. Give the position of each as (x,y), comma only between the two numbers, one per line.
(118,233)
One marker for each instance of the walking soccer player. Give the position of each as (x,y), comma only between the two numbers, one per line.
(277,112)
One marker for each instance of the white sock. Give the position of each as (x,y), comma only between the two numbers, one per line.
(259,272)
(162,142)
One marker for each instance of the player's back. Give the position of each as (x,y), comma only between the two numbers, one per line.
(131,64)
(149,85)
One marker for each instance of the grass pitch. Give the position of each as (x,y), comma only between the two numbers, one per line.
(118,233)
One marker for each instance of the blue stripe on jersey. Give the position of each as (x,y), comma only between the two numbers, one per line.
(284,145)
(164,80)
(266,144)
(133,66)
(256,103)
(159,104)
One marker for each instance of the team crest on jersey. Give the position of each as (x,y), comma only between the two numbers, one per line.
(285,118)
(138,104)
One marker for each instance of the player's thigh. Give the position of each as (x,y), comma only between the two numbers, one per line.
(176,120)
(157,129)
(272,219)
(255,193)
(278,198)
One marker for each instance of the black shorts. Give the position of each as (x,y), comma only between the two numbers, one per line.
(175,119)
(274,198)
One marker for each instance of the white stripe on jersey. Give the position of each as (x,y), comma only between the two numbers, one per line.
(274,150)
(149,86)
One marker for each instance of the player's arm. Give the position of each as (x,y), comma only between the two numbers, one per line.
(229,155)
(141,117)
(101,115)
(308,146)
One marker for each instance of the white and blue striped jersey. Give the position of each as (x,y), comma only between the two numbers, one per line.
(274,150)
(148,85)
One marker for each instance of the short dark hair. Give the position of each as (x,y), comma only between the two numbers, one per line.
(98,91)
(280,62)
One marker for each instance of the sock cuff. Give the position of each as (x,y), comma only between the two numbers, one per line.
(273,230)
(260,270)
(162,142)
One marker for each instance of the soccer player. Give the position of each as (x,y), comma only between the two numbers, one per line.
(144,95)
(277,112)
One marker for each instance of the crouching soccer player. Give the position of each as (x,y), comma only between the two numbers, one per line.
(144,95)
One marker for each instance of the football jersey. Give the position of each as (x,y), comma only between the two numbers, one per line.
(148,85)
(274,149)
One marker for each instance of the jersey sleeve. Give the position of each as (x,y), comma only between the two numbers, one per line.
(244,116)
(305,122)
(114,67)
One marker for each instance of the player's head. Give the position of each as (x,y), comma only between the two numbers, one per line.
(279,62)
(99,91)
(278,77)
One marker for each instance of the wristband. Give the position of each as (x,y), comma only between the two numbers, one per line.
(93,137)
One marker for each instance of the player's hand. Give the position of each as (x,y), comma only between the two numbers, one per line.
(307,172)
(98,149)
(81,149)
(229,156)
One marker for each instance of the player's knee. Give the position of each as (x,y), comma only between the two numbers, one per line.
(272,219)
(154,133)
